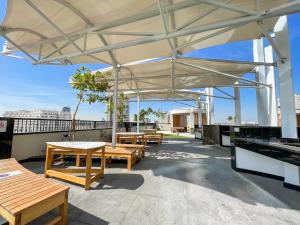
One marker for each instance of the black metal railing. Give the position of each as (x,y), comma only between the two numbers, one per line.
(33,125)
(27,125)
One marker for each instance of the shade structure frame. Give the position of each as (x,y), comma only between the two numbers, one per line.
(158,74)
(174,8)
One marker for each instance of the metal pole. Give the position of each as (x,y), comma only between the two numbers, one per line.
(138,114)
(199,104)
(237,104)
(115,106)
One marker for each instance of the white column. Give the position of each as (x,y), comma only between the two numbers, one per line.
(199,107)
(138,115)
(261,93)
(210,106)
(272,98)
(115,106)
(286,89)
(237,106)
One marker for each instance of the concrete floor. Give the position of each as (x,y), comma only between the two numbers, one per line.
(184,134)
(181,182)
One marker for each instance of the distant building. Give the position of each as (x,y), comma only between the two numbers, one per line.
(64,114)
(47,120)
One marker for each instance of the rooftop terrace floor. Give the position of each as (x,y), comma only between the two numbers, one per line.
(180,182)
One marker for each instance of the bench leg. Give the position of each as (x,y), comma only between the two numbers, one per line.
(63,210)
(16,220)
(78,160)
(129,163)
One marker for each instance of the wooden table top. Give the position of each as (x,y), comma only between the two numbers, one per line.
(25,188)
(83,145)
(130,133)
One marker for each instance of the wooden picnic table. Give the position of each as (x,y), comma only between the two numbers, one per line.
(133,136)
(25,196)
(77,149)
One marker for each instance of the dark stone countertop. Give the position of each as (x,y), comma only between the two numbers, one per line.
(271,148)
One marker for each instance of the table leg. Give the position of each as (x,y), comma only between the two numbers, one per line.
(134,140)
(103,161)
(48,161)
(88,170)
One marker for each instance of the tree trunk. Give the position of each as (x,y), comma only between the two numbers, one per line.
(73,125)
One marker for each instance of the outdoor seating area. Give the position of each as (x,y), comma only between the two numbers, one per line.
(153,191)
(231,156)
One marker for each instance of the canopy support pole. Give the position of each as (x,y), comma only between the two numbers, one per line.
(237,105)
(286,89)
(199,107)
(138,114)
(272,98)
(115,106)
(210,106)
(261,93)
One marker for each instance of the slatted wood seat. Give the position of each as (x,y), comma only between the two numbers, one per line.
(140,149)
(130,139)
(153,137)
(26,196)
(123,153)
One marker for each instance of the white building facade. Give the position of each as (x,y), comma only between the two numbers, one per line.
(64,114)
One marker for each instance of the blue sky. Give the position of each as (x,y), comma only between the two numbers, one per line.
(27,86)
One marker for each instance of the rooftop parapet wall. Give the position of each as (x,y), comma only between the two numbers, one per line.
(33,145)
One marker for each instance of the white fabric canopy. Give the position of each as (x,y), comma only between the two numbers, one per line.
(157,74)
(76,31)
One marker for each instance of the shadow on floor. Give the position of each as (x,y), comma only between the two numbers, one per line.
(128,181)
(210,167)
(76,216)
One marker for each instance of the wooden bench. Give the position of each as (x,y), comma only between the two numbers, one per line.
(153,137)
(130,139)
(140,149)
(120,152)
(26,196)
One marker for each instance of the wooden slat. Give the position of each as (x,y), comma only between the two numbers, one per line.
(7,201)
(67,177)
(25,190)
(41,197)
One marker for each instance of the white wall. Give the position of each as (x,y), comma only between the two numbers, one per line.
(25,146)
